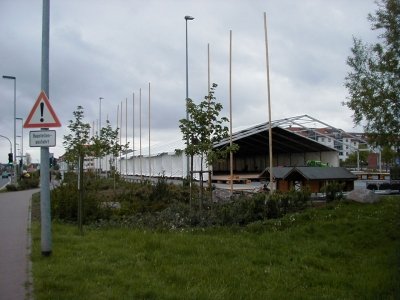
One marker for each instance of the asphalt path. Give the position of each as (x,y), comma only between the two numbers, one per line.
(4,182)
(15,282)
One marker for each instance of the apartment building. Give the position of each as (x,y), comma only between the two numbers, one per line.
(345,143)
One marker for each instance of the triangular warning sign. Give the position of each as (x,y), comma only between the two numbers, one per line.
(42,114)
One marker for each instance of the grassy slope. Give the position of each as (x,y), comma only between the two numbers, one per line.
(344,251)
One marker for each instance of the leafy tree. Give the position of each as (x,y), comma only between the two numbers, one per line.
(373,82)
(107,142)
(77,141)
(78,145)
(351,160)
(388,156)
(203,129)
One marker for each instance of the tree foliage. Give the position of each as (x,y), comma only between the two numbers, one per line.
(107,142)
(373,82)
(204,128)
(78,145)
(77,141)
(388,156)
(352,158)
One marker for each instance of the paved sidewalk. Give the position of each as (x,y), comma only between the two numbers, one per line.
(15,280)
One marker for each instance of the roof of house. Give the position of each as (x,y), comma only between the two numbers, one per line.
(278,172)
(322,173)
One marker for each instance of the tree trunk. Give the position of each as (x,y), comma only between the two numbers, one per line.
(210,187)
(80,192)
(191,180)
(201,183)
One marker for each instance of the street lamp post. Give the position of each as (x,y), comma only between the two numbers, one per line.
(187,18)
(22,139)
(100,98)
(15,111)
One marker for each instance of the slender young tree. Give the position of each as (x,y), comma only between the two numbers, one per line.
(374,80)
(77,146)
(77,141)
(204,129)
(107,143)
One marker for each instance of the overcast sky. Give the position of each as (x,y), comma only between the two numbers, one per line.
(111,49)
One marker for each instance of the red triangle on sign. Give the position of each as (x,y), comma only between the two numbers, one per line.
(42,114)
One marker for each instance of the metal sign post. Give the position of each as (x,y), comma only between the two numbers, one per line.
(42,116)
(45,214)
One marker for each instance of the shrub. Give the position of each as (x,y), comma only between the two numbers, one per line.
(70,177)
(164,205)
(240,211)
(300,198)
(272,208)
(64,202)
(333,191)
(286,202)
(24,184)
(28,183)
(11,187)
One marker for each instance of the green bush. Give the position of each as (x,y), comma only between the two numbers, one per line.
(70,177)
(333,191)
(64,203)
(164,205)
(285,202)
(23,184)
(300,198)
(272,209)
(28,183)
(11,187)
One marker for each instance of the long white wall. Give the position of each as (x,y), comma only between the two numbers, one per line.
(167,164)
(173,165)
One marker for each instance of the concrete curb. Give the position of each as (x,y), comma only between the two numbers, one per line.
(29,284)
(4,186)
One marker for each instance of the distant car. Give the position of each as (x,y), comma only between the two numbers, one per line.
(5,174)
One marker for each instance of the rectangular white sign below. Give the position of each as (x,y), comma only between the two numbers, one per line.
(42,138)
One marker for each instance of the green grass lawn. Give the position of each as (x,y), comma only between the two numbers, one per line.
(342,251)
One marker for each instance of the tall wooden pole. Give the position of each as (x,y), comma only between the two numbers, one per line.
(271,186)
(208,69)
(120,142)
(100,98)
(140,134)
(149,134)
(230,111)
(208,93)
(126,136)
(133,134)
(115,158)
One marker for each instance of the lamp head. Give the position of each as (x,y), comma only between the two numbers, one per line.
(189,18)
